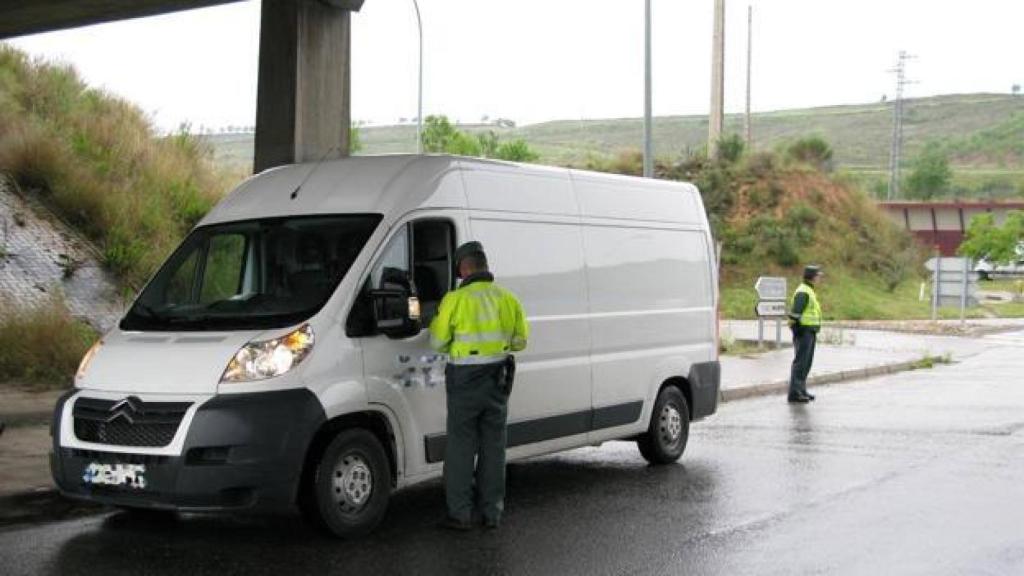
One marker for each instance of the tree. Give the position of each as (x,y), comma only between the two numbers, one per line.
(1016,89)
(931,174)
(440,136)
(488,143)
(997,244)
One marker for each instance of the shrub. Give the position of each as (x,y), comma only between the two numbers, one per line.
(43,344)
(729,149)
(813,150)
(516,151)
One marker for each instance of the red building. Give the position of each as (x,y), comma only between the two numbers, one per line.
(943,224)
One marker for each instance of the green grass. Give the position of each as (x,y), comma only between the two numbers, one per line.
(1014,286)
(979,130)
(41,345)
(98,162)
(847,296)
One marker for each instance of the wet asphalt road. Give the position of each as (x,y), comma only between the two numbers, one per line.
(917,473)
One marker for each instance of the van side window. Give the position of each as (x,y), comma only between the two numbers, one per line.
(393,266)
(427,271)
(433,268)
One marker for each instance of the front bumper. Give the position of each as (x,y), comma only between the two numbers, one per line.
(239,451)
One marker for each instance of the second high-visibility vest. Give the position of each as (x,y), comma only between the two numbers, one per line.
(812,313)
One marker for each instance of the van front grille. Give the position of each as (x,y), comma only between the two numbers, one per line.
(127,422)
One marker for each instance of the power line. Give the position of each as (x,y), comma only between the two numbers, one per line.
(896,152)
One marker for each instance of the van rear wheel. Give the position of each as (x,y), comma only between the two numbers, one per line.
(666,437)
(351,485)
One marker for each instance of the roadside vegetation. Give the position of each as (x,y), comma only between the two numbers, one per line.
(776,211)
(100,164)
(440,136)
(41,346)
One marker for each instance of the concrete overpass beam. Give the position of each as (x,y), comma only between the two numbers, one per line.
(303,106)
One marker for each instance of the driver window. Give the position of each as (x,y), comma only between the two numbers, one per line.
(433,269)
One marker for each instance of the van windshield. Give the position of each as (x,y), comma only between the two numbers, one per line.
(256,274)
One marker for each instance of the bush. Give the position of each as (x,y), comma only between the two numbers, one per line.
(41,345)
(813,150)
(516,151)
(729,149)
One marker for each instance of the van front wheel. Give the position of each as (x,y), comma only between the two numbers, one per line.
(666,436)
(351,485)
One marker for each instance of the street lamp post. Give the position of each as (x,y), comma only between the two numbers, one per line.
(419,103)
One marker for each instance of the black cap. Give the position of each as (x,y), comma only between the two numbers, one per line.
(468,249)
(811,271)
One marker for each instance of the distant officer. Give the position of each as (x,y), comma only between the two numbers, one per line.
(478,326)
(805,321)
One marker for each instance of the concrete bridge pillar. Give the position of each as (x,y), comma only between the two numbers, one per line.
(303,104)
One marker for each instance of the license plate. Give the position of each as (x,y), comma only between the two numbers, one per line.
(122,475)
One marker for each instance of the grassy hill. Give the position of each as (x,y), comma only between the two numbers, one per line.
(983,133)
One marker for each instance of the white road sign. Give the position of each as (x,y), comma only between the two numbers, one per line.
(771,309)
(771,288)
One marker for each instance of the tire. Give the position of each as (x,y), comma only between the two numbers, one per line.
(665,439)
(348,492)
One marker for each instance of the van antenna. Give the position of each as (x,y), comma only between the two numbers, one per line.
(295,193)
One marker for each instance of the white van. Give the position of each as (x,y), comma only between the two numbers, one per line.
(280,354)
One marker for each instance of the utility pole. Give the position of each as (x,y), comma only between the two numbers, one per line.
(717,114)
(750,53)
(648,146)
(896,153)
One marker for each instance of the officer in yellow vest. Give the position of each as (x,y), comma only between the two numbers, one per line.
(478,325)
(805,321)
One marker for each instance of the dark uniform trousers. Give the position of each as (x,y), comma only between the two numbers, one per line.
(477,416)
(804,340)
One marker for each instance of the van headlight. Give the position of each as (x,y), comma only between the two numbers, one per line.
(87,359)
(269,358)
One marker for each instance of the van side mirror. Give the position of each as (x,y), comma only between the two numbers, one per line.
(396,311)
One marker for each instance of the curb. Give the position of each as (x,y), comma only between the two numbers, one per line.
(782,386)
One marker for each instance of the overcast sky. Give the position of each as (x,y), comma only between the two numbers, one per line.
(536,60)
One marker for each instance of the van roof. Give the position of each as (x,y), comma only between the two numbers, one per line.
(396,184)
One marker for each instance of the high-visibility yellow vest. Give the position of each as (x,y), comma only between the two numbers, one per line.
(812,313)
(479,323)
